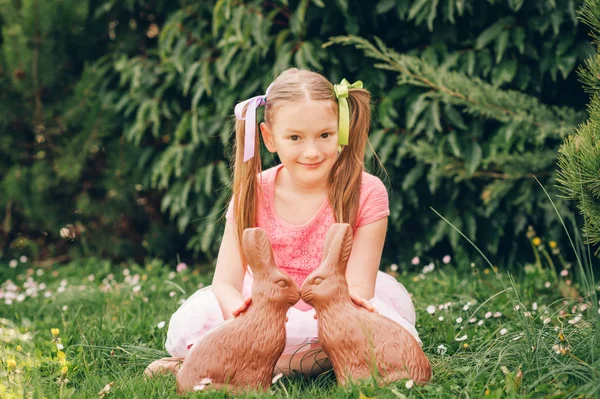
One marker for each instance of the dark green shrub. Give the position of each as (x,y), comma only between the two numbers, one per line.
(168,100)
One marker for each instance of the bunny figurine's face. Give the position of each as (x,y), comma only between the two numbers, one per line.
(282,289)
(322,285)
(269,280)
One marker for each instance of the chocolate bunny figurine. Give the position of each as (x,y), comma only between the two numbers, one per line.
(242,353)
(360,344)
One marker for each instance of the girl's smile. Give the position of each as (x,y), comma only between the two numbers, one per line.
(311,165)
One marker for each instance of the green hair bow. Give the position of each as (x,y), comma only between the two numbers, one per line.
(341,93)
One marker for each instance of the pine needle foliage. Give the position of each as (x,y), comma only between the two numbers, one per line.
(475,96)
(579,156)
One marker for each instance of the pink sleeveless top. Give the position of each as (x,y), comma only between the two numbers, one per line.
(298,249)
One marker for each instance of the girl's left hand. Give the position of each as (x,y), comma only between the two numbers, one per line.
(360,302)
(363,303)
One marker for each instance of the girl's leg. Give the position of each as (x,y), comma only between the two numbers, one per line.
(163,366)
(311,362)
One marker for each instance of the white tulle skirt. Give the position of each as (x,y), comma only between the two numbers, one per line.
(201,312)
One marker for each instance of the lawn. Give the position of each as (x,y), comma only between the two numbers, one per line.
(88,329)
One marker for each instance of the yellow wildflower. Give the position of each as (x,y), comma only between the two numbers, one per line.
(55,332)
(19,349)
(486,271)
(536,241)
(64,370)
(552,244)
(487,391)
(62,358)
(11,364)
(465,345)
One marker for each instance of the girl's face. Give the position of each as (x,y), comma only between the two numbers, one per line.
(304,135)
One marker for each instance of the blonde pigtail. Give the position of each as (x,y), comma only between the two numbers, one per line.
(245,192)
(346,175)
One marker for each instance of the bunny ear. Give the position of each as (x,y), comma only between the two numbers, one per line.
(257,250)
(338,245)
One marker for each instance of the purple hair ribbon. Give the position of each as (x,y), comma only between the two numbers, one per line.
(250,118)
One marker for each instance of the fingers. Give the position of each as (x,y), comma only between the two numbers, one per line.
(239,310)
(362,303)
(356,300)
(242,307)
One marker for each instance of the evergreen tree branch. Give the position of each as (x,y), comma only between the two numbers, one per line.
(579,156)
(478,97)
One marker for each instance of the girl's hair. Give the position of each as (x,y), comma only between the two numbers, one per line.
(346,174)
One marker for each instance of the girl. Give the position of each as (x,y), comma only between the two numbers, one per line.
(319,132)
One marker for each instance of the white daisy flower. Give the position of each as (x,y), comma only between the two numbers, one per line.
(441,349)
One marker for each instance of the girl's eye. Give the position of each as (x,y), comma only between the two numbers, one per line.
(282,283)
(294,138)
(317,280)
(325,135)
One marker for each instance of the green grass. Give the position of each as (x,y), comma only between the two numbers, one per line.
(109,328)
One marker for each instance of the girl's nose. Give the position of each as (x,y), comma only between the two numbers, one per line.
(311,151)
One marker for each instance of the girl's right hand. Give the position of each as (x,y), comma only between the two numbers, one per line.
(243,307)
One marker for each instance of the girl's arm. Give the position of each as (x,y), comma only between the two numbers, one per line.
(361,273)
(229,275)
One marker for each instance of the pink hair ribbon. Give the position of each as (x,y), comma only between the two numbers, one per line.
(250,118)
